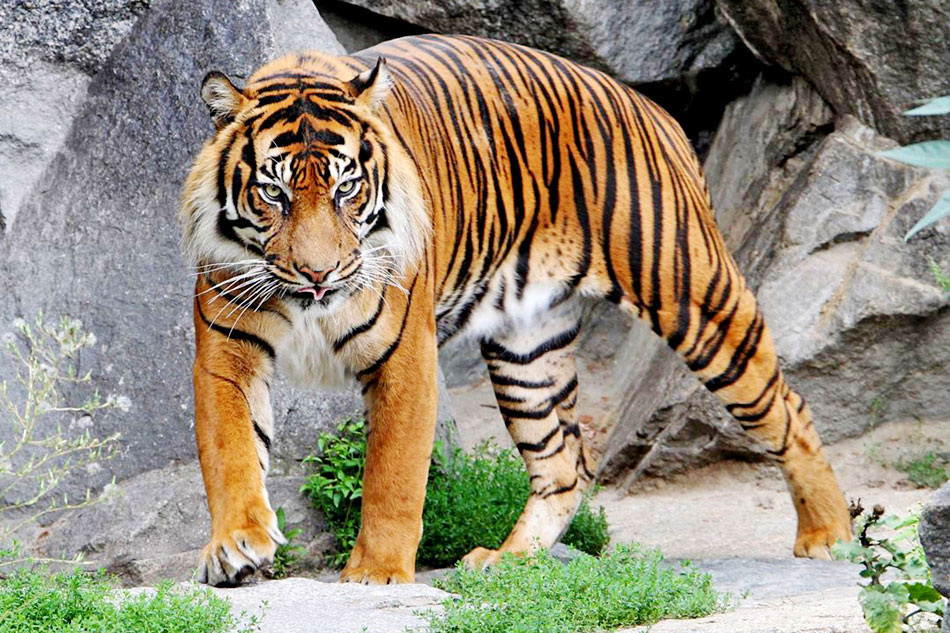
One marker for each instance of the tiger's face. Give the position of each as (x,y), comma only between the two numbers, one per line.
(298,192)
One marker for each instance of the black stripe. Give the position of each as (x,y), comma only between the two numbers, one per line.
(493,351)
(498,379)
(536,447)
(239,335)
(392,348)
(265,440)
(363,327)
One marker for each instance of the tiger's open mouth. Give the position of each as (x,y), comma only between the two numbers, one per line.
(315,294)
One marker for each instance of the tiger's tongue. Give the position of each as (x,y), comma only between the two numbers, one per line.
(317,293)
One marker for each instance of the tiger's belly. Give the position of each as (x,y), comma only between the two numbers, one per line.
(502,305)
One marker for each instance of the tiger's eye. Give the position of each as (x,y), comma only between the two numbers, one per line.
(346,186)
(273,192)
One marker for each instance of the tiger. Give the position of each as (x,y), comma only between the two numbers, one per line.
(350,214)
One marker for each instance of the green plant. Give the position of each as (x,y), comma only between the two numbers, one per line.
(588,531)
(471,499)
(41,447)
(285,558)
(902,604)
(940,275)
(539,594)
(336,486)
(927,471)
(76,602)
(933,154)
(876,410)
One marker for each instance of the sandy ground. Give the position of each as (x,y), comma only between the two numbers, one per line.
(730,509)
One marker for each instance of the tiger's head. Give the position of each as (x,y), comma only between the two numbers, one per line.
(304,191)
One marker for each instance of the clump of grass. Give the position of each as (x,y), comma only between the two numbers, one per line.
(74,602)
(927,471)
(625,587)
(472,499)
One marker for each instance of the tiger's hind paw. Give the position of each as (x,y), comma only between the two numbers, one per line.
(817,543)
(227,560)
(481,558)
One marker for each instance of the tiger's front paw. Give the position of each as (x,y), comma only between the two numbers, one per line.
(481,558)
(234,555)
(369,575)
(369,570)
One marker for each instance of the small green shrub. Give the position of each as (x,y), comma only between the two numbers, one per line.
(903,603)
(76,602)
(336,486)
(471,500)
(588,531)
(285,558)
(625,587)
(927,471)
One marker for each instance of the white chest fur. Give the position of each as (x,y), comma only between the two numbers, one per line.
(306,354)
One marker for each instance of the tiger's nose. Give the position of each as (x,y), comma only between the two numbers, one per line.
(316,276)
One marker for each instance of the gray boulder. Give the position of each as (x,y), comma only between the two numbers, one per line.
(858,320)
(935,537)
(98,238)
(302,605)
(151,527)
(868,59)
(637,43)
(48,52)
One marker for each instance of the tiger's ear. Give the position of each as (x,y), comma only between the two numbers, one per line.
(371,88)
(224,101)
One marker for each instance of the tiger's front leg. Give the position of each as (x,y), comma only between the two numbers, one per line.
(233,427)
(401,394)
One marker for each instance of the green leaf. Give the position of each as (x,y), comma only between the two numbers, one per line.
(937,105)
(939,211)
(848,551)
(881,610)
(933,154)
(920,592)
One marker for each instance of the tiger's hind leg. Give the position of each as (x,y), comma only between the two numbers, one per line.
(731,350)
(535,382)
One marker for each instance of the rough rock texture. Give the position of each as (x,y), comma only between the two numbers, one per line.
(100,238)
(935,537)
(302,605)
(867,58)
(152,526)
(637,43)
(857,318)
(357,28)
(678,53)
(48,51)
